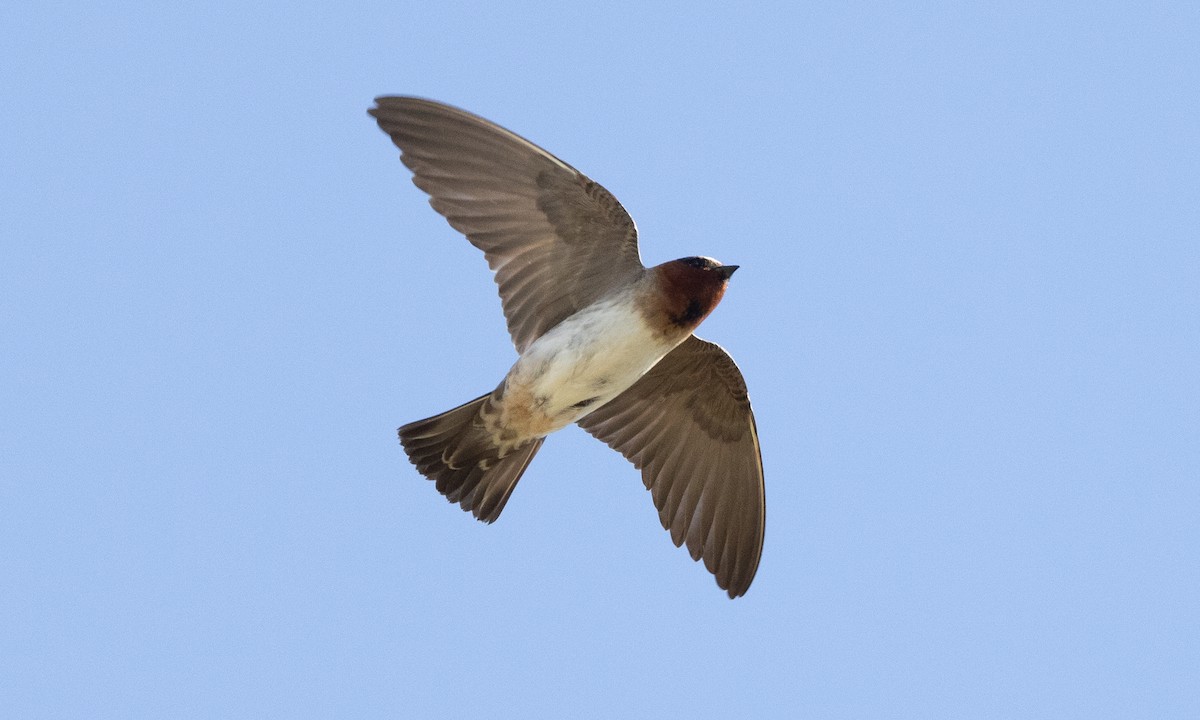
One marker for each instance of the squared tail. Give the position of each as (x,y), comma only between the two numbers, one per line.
(455,451)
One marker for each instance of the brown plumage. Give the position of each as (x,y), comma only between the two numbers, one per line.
(688,290)
(455,450)
(603,341)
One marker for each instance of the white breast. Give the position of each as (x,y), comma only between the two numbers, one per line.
(580,364)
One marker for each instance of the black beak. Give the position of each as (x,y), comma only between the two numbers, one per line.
(727,270)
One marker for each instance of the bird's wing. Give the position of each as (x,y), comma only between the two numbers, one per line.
(687,424)
(556,240)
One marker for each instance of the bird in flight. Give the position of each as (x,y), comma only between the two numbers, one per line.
(603,341)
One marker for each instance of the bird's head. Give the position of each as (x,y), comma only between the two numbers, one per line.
(691,287)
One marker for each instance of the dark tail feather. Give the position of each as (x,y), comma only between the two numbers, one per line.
(456,452)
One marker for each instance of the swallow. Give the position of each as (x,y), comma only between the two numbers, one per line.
(603,341)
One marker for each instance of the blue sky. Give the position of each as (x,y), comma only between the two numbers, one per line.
(968,313)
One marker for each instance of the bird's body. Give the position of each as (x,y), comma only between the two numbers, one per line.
(603,341)
(581,364)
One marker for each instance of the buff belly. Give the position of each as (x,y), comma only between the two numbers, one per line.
(580,364)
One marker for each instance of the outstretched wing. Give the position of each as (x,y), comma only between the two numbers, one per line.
(687,424)
(556,240)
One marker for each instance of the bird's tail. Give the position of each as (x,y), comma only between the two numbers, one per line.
(457,452)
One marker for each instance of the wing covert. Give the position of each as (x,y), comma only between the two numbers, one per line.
(556,240)
(687,424)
